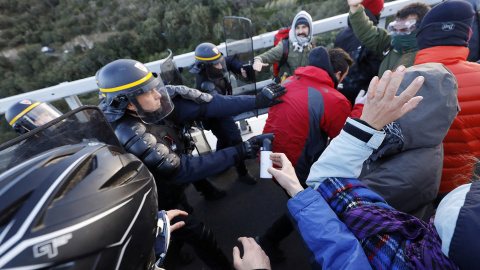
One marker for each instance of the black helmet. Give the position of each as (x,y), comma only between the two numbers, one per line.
(81,206)
(28,114)
(122,81)
(207,56)
(207,53)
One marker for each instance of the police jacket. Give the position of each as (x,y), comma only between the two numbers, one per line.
(164,148)
(462,143)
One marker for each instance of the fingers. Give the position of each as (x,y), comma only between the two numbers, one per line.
(361,93)
(371,88)
(411,104)
(274,172)
(177,225)
(246,243)
(382,85)
(411,90)
(395,81)
(236,255)
(175,212)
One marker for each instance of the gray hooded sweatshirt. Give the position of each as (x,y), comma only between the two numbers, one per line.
(407,167)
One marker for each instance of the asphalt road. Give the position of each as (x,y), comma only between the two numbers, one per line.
(247,210)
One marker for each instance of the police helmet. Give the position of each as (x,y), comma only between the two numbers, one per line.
(81,206)
(208,58)
(122,82)
(207,54)
(29,114)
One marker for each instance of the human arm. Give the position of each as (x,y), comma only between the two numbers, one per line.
(195,168)
(269,57)
(253,256)
(373,37)
(226,106)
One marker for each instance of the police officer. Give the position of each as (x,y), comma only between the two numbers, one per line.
(211,70)
(148,118)
(28,114)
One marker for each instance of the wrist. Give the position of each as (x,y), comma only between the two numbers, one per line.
(294,190)
(257,59)
(354,8)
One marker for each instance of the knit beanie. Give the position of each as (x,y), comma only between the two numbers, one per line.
(301,20)
(457,222)
(447,24)
(319,58)
(375,6)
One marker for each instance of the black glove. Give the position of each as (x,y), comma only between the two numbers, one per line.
(250,148)
(267,97)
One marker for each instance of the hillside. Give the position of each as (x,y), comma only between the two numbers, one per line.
(97,32)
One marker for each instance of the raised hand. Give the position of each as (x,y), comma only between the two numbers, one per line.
(382,106)
(354,5)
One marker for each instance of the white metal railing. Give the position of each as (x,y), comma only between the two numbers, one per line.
(70,90)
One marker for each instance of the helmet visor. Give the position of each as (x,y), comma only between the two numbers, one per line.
(217,69)
(38,116)
(153,104)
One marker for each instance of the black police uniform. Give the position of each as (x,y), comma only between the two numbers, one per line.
(224,128)
(165,149)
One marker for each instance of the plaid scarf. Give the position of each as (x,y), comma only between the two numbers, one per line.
(390,239)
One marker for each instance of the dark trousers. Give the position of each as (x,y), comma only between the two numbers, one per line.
(198,236)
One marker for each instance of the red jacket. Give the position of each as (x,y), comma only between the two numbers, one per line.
(462,143)
(312,111)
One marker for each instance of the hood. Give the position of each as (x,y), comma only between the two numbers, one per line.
(427,125)
(302,14)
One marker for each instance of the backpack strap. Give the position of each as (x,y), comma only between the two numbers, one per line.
(387,50)
(283,60)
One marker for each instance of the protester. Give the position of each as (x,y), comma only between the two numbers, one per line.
(365,61)
(299,46)
(443,38)
(338,216)
(406,169)
(312,112)
(397,43)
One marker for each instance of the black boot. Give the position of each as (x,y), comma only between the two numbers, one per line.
(208,251)
(208,190)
